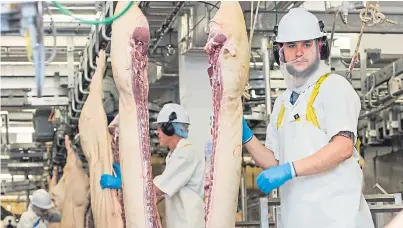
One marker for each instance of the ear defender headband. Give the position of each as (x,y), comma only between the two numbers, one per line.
(323,44)
(168,128)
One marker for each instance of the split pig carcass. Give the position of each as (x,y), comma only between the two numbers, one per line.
(129,50)
(96,144)
(229,56)
(113,129)
(71,193)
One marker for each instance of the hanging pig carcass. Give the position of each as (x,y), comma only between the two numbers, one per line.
(96,144)
(129,49)
(228,50)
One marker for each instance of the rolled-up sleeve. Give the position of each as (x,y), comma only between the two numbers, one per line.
(271,141)
(341,106)
(176,174)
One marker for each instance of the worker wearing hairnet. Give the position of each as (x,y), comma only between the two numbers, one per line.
(182,182)
(37,215)
(309,150)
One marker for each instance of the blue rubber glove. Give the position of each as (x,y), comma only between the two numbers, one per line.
(275,177)
(113,182)
(247,133)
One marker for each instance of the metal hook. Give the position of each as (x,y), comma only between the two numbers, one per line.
(80,84)
(85,62)
(76,87)
(103,28)
(73,106)
(90,56)
(71,116)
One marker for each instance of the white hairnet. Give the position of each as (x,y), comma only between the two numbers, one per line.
(181,129)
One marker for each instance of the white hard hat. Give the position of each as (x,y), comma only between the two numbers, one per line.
(41,198)
(168,109)
(297,25)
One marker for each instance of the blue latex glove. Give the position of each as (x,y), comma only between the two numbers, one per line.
(273,178)
(113,182)
(247,133)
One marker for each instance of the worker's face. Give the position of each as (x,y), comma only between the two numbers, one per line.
(300,55)
(162,137)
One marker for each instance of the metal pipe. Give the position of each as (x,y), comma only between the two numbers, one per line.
(76,94)
(103,28)
(71,116)
(80,84)
(86,66)
(73,106)
(246,224)
(96,44)
(90,56)
(244,203)
(363,76)
(264,209)
(266,73)
(7,128)
(376,110)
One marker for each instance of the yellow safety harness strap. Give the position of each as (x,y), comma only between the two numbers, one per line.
(310,111)
(280,116)
(310,114)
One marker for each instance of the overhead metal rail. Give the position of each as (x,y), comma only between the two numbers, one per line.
(266,20)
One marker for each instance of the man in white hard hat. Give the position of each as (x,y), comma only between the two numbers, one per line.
(309,151)
(182,182)
(38,211)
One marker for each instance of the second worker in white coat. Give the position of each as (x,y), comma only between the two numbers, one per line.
(309,151)
(182,182)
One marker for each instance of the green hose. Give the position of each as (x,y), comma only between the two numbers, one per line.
(108,20)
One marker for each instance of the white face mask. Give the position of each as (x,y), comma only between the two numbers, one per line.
(297,72)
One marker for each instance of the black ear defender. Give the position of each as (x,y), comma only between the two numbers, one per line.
(324,47)
(167,127)
(323,44)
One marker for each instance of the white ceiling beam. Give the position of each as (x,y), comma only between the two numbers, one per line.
(29,70)
(61,41)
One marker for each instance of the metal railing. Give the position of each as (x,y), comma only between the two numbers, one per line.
(376,205)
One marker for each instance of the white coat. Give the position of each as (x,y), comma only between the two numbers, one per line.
(183,184)
(332,199)
(30,218)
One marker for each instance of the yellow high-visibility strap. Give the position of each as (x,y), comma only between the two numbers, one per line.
(280,116)
(358,145)
(310,111)
(310,115)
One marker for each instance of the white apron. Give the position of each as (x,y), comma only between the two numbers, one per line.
(332,199)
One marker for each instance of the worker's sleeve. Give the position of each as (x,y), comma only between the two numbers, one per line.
(341,106)
(176,174)
(271,141)
(26,221)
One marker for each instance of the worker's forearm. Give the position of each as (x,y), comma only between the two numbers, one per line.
(261,155)
(334,153)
